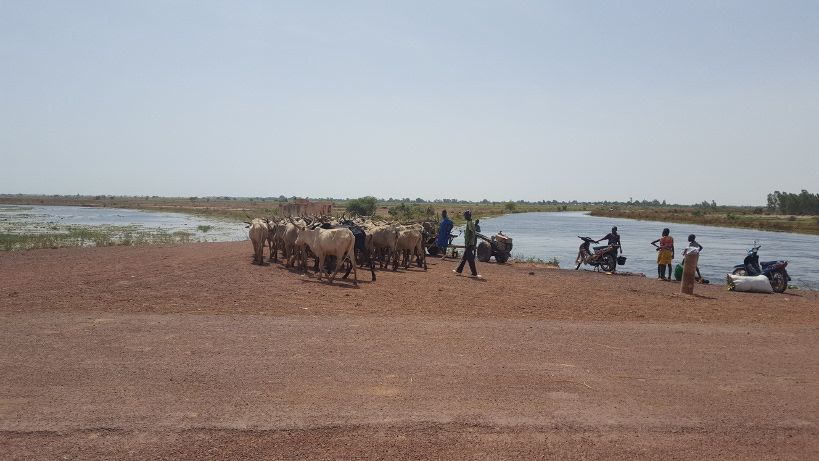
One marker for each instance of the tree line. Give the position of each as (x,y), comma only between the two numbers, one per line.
(803,203)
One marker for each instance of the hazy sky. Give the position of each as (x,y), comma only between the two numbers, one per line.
(682,101)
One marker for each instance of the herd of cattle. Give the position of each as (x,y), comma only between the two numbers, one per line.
(328,239)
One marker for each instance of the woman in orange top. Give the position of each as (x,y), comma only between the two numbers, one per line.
(665,255)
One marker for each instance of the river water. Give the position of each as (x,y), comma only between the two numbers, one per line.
(555,235)
(22,219)
(537,235)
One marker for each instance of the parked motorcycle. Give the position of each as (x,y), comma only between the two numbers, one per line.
(774,270)
(603,256)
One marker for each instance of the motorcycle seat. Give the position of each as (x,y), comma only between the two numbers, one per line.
(768,263)
(600,247)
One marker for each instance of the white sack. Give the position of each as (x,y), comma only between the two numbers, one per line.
(755,284)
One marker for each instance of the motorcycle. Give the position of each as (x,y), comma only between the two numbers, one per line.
(774,270)
(603,256)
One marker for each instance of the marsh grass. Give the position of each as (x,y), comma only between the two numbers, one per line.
(534,260)
(90,236)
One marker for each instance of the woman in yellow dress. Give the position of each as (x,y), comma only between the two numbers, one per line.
(665,255)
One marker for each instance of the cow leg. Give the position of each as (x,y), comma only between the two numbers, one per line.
(423,254)
(369,260)
(349,254)
(355,271)
(256,252)
(321,265)
(339,261)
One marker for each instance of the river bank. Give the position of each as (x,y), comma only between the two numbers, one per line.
(190,351)
(735,217)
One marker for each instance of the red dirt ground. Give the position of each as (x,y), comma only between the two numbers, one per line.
(192,352)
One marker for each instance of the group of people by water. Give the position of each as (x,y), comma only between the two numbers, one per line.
(665,253)
(664,246)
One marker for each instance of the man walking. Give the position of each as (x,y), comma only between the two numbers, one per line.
(471,240)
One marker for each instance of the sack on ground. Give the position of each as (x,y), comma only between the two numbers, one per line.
(755,284)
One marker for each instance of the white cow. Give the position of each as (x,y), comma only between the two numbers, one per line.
(385,238)
(295,251)
(258,236)
(275,238)
(330,242)
(411,243)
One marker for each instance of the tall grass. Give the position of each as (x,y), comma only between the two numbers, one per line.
(531,259)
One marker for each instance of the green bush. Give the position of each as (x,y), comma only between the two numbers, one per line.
(404,212)
(364,206)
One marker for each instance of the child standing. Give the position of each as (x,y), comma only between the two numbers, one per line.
(693,245)
(665,255)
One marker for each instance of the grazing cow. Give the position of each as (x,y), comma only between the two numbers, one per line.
(295,251)
(361,247)
(276,239)
(411,242)
(258,235)
(329,242)
(271,241)
(385,238)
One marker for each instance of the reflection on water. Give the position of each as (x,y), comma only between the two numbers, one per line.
(44,219)
(554,235)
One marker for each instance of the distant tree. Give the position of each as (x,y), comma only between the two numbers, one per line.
(510,206)
(364,206)
(803,203)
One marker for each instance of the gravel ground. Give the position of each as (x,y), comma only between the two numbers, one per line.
(192,352)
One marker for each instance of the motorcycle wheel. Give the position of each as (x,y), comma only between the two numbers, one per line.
(607,263)
(739,272)
(778,282)
(578,262)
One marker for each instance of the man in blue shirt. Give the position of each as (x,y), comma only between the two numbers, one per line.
(443,233)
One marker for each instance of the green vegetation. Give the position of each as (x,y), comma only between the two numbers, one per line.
(364,206)
(804,203)
(412,212)
(738,217)
(533,260)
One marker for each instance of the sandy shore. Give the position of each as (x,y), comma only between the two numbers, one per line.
(192,352)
